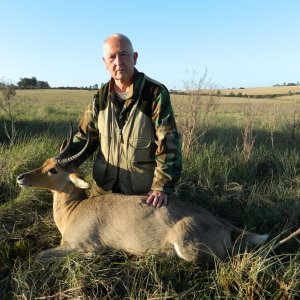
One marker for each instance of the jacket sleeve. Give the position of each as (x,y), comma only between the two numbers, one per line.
(88,122)
(168,152)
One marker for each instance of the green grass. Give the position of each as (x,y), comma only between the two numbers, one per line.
(256,188)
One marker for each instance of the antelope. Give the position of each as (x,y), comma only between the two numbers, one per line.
(126,222)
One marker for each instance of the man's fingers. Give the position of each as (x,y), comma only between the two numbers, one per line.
(150,199)
(165,201)
(161,201)
(157,200)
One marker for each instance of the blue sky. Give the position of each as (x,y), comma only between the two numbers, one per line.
(246,43)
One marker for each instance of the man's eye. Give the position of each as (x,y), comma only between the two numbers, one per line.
(123,55)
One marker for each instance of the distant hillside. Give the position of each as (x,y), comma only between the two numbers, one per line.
(263,90)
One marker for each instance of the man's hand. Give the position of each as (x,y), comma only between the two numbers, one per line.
(157,199)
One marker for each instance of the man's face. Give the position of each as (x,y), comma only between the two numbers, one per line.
(119,59)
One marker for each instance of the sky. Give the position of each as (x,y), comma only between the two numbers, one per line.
(239,43)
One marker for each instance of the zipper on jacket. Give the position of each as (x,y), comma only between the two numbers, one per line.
(119,156)
(121,137)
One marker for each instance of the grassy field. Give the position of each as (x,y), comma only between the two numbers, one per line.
(263,90)
(243,165)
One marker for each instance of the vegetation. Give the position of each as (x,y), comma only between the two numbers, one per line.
(32,83)
(245,167)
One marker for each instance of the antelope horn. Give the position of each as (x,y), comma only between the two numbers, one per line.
(65,148)
(66,161)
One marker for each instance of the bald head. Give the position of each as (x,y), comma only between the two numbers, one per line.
(117,38)
(119,59)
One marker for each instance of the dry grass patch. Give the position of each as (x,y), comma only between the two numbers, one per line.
(56,96)
(263,90)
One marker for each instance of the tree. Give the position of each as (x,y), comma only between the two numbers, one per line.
(202,101)
(42,85)
(32,83)
(27,83)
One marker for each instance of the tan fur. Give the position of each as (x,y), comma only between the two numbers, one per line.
(127,223)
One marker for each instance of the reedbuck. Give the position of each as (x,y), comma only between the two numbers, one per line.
(126,222)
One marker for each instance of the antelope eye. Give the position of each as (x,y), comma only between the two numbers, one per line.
(53,171)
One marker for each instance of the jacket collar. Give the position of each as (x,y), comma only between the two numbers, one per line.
(135,89)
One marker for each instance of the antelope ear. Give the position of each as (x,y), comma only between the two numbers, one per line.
(77,181)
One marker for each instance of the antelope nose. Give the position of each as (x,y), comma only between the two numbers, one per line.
(20,177)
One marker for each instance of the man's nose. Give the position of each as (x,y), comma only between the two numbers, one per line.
(118,59)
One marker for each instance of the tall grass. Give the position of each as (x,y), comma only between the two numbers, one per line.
(258,191)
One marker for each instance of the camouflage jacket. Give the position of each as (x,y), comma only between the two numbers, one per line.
(139,147)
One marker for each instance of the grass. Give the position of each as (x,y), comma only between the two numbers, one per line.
(263,90)
(256,188)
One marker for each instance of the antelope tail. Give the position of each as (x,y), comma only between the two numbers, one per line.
(248,237)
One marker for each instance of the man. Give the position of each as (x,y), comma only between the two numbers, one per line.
(132,122)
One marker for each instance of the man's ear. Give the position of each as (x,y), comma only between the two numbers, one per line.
(135,57)
(77,181)
(104,61)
